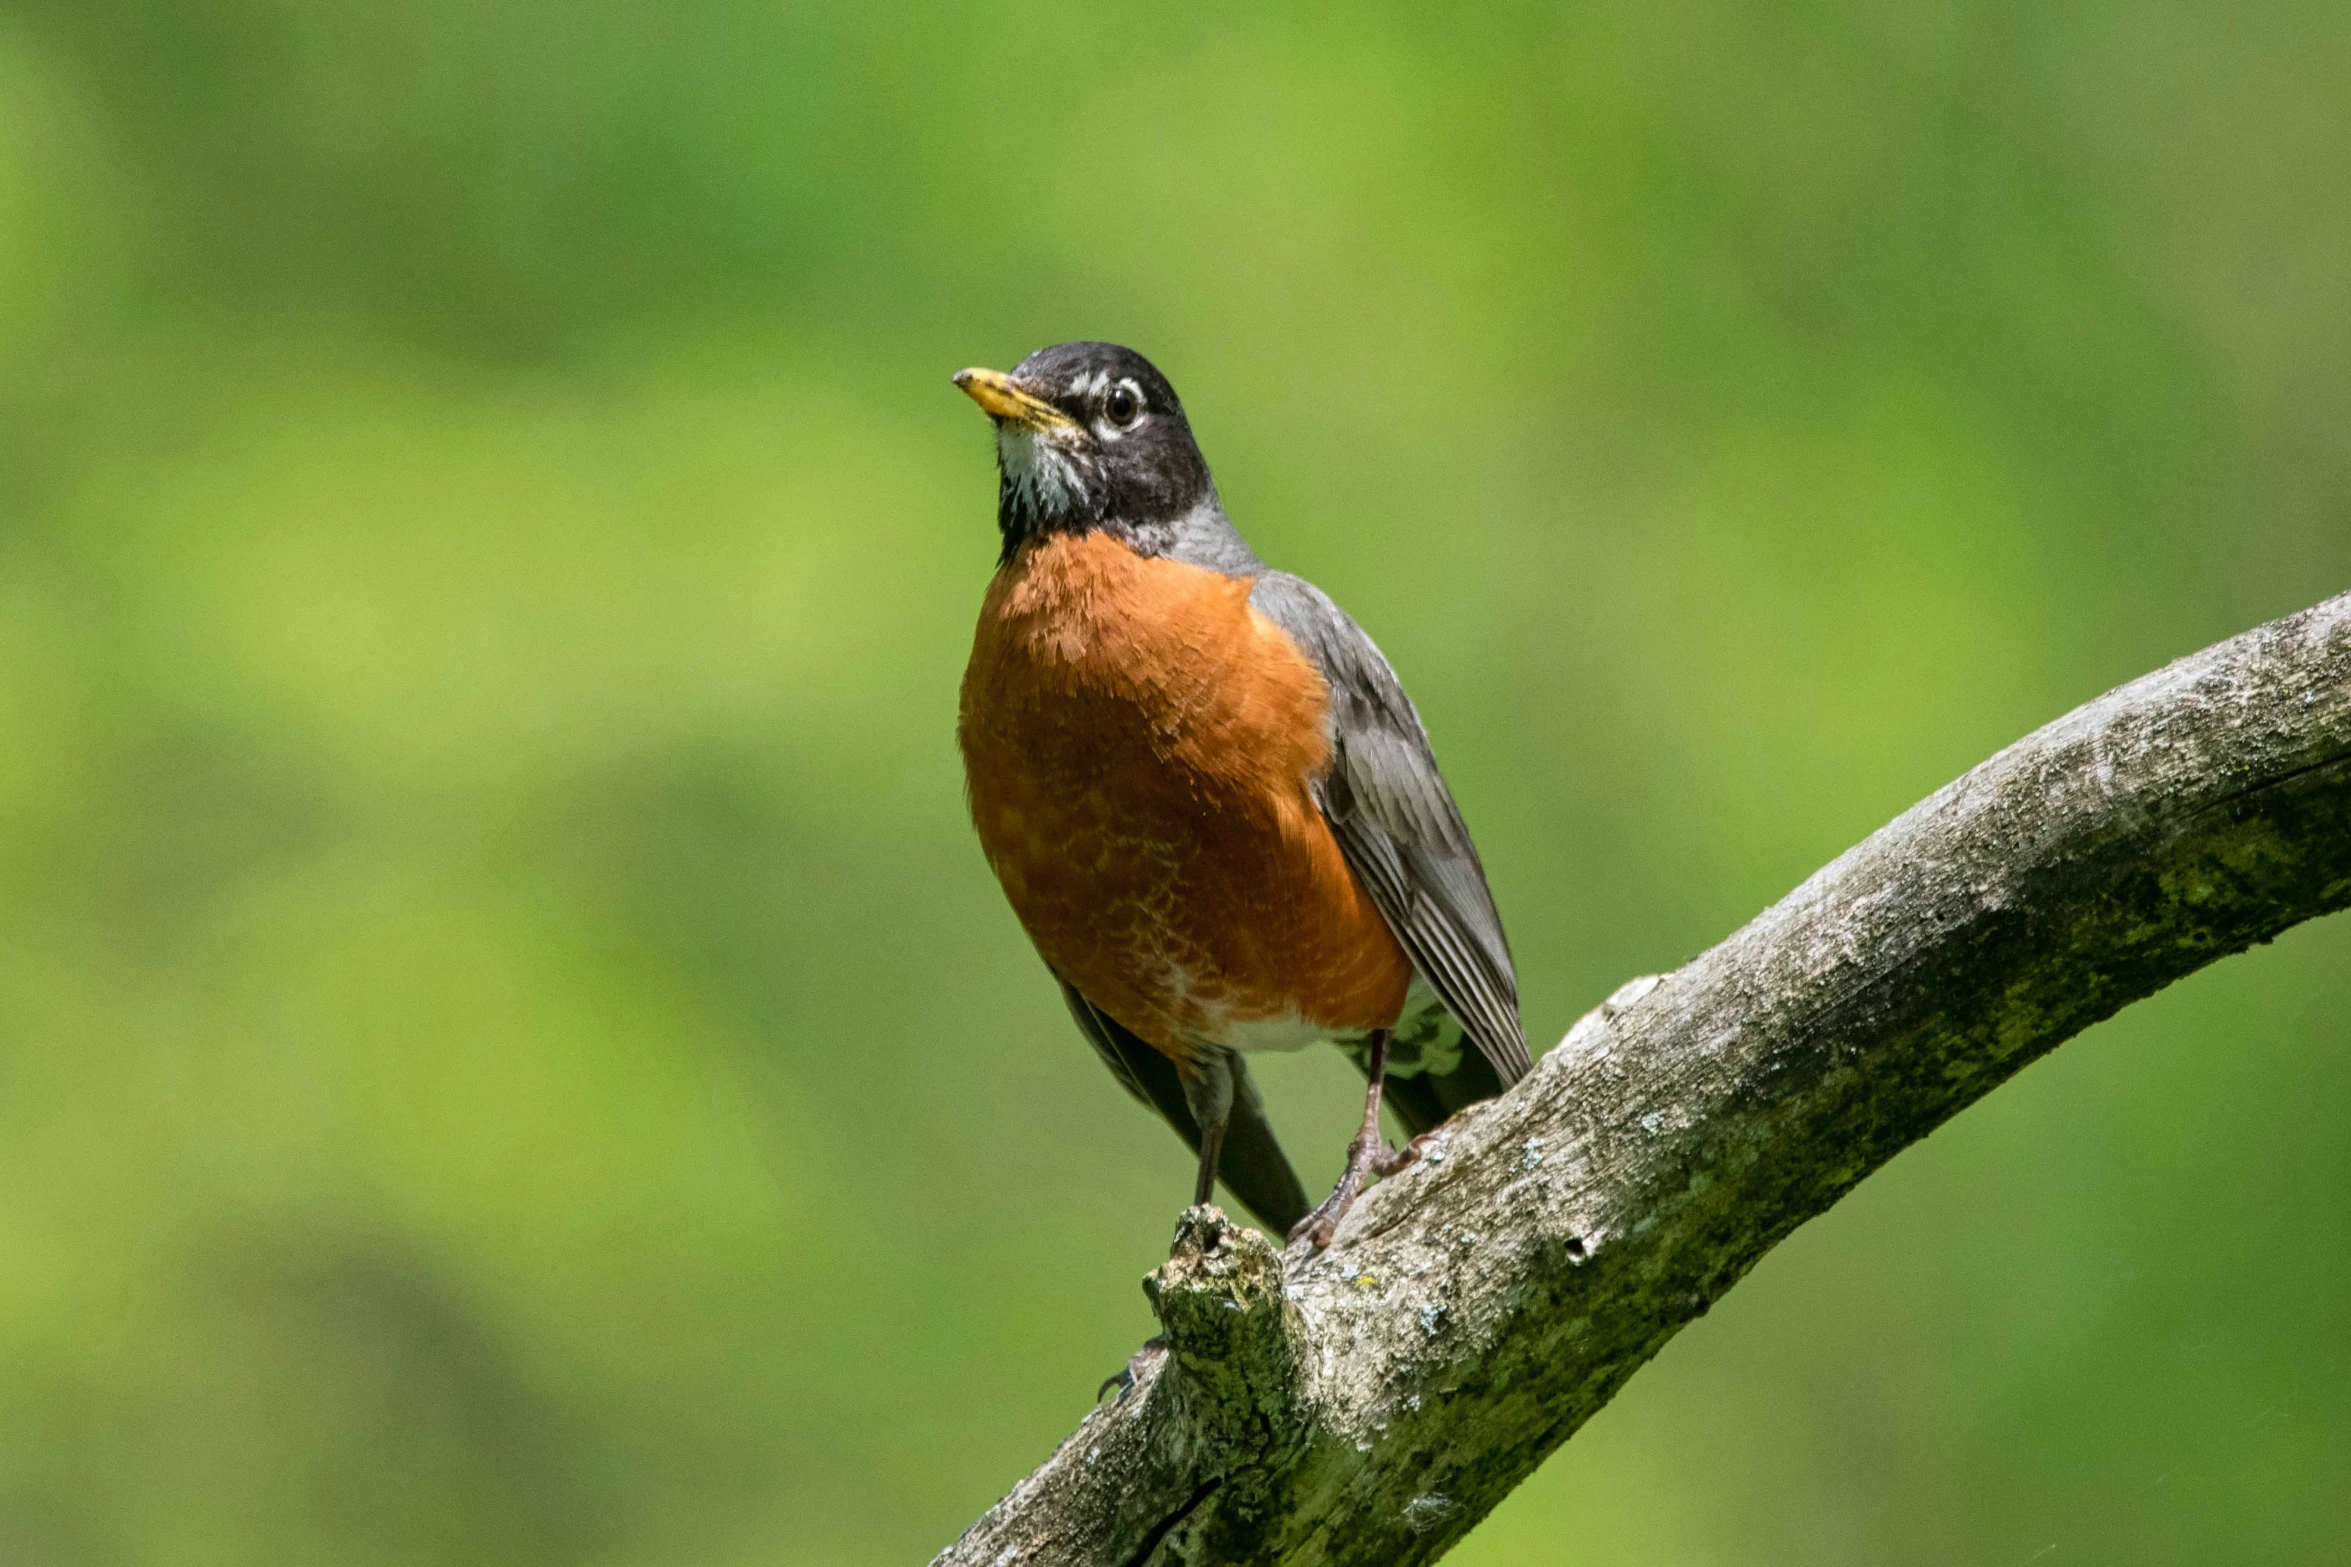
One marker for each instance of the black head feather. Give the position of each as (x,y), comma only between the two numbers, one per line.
(1124,463)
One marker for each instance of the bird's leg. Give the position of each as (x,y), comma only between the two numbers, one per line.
(1211,1145)
(1368,1154)
(1208,1089)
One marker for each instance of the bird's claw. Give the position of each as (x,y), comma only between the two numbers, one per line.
(1124,1378)
(1393,1161)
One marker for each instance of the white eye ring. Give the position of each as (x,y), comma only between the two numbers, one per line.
(1123,408)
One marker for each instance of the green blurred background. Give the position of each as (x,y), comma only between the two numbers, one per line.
(508,1050)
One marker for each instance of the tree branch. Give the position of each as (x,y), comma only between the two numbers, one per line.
(1371,1403)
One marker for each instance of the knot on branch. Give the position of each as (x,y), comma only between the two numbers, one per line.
(1220,1301)
(1232,1332)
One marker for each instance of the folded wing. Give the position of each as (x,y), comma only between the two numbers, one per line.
(1399,828)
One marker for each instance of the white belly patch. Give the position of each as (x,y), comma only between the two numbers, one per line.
(1289,1032)
(1427,1039)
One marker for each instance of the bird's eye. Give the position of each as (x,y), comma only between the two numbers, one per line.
(1123,406)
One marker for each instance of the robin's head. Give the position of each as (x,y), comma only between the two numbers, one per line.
(1088,436)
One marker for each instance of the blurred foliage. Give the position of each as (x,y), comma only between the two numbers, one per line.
(510,1053)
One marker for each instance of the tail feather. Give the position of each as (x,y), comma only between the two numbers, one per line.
(1434,1069)
(1252,1164)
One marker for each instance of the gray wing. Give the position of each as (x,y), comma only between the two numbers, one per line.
(1398,826)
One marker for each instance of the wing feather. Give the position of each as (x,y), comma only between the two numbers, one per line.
(1397,824)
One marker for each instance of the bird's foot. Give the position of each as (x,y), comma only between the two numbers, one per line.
(1124,1381)
(1367,1156)
(1323,1223)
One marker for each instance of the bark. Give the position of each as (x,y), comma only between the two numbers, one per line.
(1371,1403)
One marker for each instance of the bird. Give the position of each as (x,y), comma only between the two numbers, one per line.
(1210,803)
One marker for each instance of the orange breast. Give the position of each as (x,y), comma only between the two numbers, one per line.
(1139,744)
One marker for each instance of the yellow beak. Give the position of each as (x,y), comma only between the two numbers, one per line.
(1005,402)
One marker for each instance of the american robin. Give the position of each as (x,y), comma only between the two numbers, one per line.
(1208,798)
